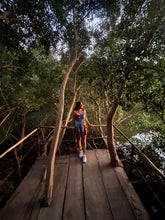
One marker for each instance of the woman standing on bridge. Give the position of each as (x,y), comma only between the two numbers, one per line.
(81,128)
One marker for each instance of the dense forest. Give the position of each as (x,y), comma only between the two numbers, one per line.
(113,52)
(108,54)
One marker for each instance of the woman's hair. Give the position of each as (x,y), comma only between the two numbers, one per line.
(78,106)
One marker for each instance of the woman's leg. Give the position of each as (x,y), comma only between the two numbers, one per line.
(84,144)
(80,147)
(79,143)
(84,148)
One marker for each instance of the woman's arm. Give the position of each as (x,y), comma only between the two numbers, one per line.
(72,120)
(88,123)
(75,114)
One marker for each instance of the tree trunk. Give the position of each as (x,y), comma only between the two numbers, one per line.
(62,133)
(99,121)
(67,119)
(115,161)
(42,123)
(54,143)
(97,103)
(106,102)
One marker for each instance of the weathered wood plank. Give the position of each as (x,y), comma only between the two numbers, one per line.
(134,200)
(74,201)
(63,159)
(55,211)
(33,208)
(118,201)
(17,205)
(107,192)
(96,202)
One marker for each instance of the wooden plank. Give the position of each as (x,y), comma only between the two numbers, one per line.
(134,200)
(118,201)
(63,159)
(60,180)
(34,206)
(74,201)
(32,211)
(96,202)
(17,205)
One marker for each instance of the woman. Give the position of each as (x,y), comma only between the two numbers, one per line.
(81,128)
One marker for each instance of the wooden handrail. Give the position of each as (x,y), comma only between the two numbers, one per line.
(149,161)
(21,159)
(71,126)
(19,142)
(5,118)
(89,126)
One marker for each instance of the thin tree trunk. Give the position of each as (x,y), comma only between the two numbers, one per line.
(99,121)
(67,119)
(42,123)
(115,161)
(106,102)
(99,116)
(63,130)
(54,143)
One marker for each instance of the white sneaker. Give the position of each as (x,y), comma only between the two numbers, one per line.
(81,154)
(84,159)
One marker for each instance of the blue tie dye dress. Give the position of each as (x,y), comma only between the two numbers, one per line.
(79,129)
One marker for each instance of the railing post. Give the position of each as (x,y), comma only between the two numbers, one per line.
(42,134)
(131,161)
(17,161)
(18,164)
(38,142)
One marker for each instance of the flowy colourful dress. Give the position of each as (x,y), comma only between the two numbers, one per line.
(80,128)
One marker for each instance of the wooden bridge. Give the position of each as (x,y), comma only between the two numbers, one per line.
(94,190)
(90,191)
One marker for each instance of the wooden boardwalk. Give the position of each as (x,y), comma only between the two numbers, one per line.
(91,191)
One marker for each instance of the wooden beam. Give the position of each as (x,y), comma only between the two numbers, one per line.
(53,147)
(19,142)
(5,118)
(70,126)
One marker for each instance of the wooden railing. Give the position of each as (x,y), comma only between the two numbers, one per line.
(13,160)
(132,162)
(140,152)
(18,143)
(18,159)
(146,170)
(134,148)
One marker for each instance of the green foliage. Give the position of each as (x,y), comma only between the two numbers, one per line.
(51,23)
(139,121)
(33,83)
(129,47)
(26,21)
(29,82)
